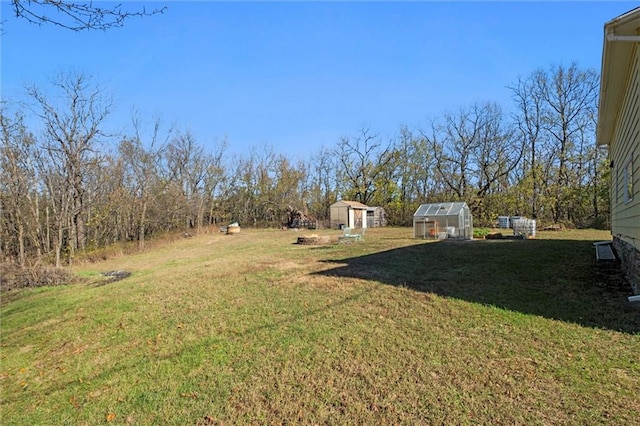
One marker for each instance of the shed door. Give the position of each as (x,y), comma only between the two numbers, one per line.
(357,218)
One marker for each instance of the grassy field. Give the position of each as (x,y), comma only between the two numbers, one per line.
(252,328)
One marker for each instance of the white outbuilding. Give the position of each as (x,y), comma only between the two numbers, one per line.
(443,220)
(348,214)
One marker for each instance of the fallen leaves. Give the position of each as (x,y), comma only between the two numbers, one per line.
(74,401)
(189,395)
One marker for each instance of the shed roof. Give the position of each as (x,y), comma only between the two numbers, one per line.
(440,209)
(353,204)
(616,56)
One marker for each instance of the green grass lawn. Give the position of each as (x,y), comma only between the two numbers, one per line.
(252,328)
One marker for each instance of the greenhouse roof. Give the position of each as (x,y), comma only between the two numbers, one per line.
(440,209)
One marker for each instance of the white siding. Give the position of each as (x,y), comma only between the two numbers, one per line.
(625,220)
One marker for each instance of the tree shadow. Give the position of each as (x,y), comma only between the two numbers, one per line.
(556,279)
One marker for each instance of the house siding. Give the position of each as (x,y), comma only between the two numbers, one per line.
(625,212)
(625,220)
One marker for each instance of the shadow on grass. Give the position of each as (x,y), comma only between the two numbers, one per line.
(557,279)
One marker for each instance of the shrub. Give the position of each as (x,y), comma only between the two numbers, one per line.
(13,276)
(480,232)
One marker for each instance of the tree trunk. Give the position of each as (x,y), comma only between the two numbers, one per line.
(141,226)
(48,230)
(58,245)
(21,253)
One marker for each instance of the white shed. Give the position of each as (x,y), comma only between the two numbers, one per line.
(443,220)
(348,214)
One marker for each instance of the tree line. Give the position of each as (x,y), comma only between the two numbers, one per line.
(74,186)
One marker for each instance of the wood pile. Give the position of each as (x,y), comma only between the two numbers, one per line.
(297,219)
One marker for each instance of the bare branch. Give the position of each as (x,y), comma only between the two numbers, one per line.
(76,16)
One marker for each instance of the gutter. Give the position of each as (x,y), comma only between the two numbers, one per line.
(613,37)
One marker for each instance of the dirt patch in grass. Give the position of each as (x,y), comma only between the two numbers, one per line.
(112,277)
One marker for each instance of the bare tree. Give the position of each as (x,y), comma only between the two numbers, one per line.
(498,153)
(555,110)
(452,144)
(77,16)
(142,156)
(216,180)
(528,118)
(363,160)
(475,152)
(110,211)
(416,165)
(54,178)
(321,183)
(71,131)
(187,164)
(17,188)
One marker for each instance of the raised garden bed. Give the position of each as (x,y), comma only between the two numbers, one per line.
(314,240)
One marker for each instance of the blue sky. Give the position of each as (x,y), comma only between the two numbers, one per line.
(297,76)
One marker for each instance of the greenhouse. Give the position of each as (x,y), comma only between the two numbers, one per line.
(443,220)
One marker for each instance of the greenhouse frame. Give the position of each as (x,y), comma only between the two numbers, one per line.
(443,220)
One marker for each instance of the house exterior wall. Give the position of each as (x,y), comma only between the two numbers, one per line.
(630,258)
(625,188)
